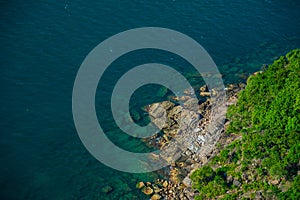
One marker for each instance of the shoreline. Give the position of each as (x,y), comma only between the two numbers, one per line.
(202,140)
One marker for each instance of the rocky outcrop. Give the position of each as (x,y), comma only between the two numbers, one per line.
(190,132)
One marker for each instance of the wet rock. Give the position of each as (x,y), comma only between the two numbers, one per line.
(147,190)
(189,91)
(165,184)
(204,88)
(156,197)
(148,183)
(182,98)
(140,185)
(156,189)
(204,94)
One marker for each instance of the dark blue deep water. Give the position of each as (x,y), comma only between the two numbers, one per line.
(43,45)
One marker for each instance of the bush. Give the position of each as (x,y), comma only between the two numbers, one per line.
(267,115)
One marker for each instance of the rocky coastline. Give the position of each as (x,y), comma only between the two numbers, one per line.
(188,123)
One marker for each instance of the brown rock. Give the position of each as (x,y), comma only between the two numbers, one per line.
(140,185)
(204,94)
(156,189)
(147,190)
(167,105)
(148,183)
(184,98)
(165,184)
(156,197)
(204,88)
(156,110)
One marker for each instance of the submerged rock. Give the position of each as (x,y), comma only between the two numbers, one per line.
(106,189)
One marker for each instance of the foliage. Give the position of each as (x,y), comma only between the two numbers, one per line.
(267,115)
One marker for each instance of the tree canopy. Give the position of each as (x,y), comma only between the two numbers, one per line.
(267,159)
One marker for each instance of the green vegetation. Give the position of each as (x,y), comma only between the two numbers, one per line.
(266,160)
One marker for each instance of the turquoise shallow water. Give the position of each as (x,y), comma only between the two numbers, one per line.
(42,47)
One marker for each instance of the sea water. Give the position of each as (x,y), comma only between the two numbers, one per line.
(43,45)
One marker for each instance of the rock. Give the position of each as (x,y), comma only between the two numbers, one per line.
(160,122)
(156,189)
(191,104)
(187,182)
(201,138)
(158,114)
(184,98)
(237,183)
(188,118)
(154,156)
(229,179)
(174,113)
(244,175)
(148,184)
(107,189)
(156,110)
(204,94)
(156,197)
(214,92)
(181,164)
(188,153)
(204,88)
(170,153)
(140,185)
(275,182)
(165,184)
(259,195)
(176,176)
(167,105)
(147,190)
(189,91)
(256,73)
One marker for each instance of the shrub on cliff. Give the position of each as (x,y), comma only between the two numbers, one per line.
(267,115)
